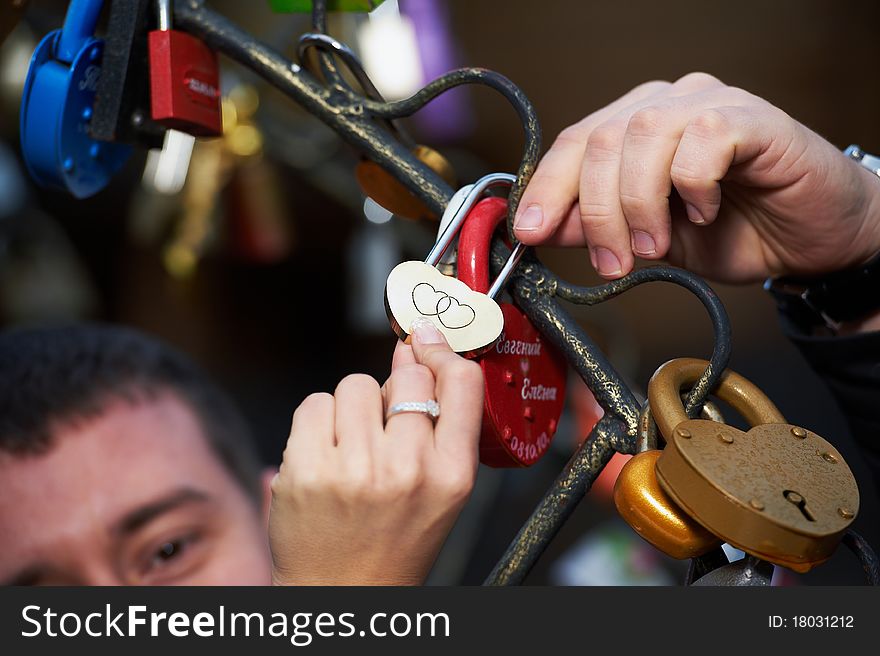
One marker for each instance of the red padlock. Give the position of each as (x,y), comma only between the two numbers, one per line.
(184,80)
(525,376)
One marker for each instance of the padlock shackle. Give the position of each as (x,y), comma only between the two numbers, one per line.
(163,15)
(458,219)
(79,27)
(481,185)
(474,242)
(664,395)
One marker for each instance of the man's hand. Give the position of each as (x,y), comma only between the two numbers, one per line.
(708,176)
(360,502)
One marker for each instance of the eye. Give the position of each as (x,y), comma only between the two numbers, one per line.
(171,557)
(169,550)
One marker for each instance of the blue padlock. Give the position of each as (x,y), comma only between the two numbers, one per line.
(56,107)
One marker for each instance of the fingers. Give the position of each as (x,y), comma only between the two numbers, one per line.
(409,434)
(459,390)
(712,142)
(635,152)
(403,354)
(358,418)
(601,214)
(625,175)
(312,434)
(553,189)
(649,145)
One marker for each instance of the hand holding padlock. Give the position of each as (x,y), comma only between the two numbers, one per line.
(778,492)
(470,321)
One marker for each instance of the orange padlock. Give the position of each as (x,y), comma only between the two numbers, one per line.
(650,512)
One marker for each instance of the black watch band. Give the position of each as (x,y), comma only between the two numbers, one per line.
(831,300)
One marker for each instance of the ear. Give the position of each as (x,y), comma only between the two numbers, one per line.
(268,475)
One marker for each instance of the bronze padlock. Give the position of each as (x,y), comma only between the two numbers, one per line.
(778,492)
(388,192)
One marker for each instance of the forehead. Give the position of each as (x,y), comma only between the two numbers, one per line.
(99,470)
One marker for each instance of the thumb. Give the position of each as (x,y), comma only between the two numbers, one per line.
(429,345)
(459,389)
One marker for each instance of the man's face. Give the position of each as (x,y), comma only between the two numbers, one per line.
(134,496)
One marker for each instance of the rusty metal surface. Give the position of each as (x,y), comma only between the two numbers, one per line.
(777,491)
(363,123)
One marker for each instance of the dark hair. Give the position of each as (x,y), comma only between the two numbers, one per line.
(58,375)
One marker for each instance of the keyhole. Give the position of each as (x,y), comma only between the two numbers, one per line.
(793,497)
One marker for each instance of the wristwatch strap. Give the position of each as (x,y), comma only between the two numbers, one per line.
(866,160)
(831,300)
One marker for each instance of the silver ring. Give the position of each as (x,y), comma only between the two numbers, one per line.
(429,408)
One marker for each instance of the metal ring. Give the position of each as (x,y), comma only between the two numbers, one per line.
(458,218)
(429,408)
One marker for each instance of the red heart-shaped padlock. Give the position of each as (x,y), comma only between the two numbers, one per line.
(525,376)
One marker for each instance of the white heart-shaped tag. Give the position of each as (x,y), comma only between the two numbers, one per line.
(470,321)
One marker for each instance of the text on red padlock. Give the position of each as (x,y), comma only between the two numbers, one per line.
(184,80)
(524,376)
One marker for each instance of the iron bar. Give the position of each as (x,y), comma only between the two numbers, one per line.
(557,505)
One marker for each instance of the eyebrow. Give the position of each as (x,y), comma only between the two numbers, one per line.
(131,522)
(146,513)
(28,576)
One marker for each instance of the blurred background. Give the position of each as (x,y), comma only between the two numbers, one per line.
(253,252)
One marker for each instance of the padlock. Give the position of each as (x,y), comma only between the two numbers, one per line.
(389,192)
(644,505)
(377,183)
(524,375)
(57,104)
(651,513)
(184,79)
(778,492)
(122,102)
(471,322)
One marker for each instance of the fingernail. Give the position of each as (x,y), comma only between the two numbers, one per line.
(607,262)
(694,214)
(530,220)
(643,243)
(425,332)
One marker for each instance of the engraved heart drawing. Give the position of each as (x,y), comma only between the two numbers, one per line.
(428,300)
(470,321)
(449,310)
(457,315)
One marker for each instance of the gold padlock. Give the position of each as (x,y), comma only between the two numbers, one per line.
(388,192)
(778,492)
(650,512)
